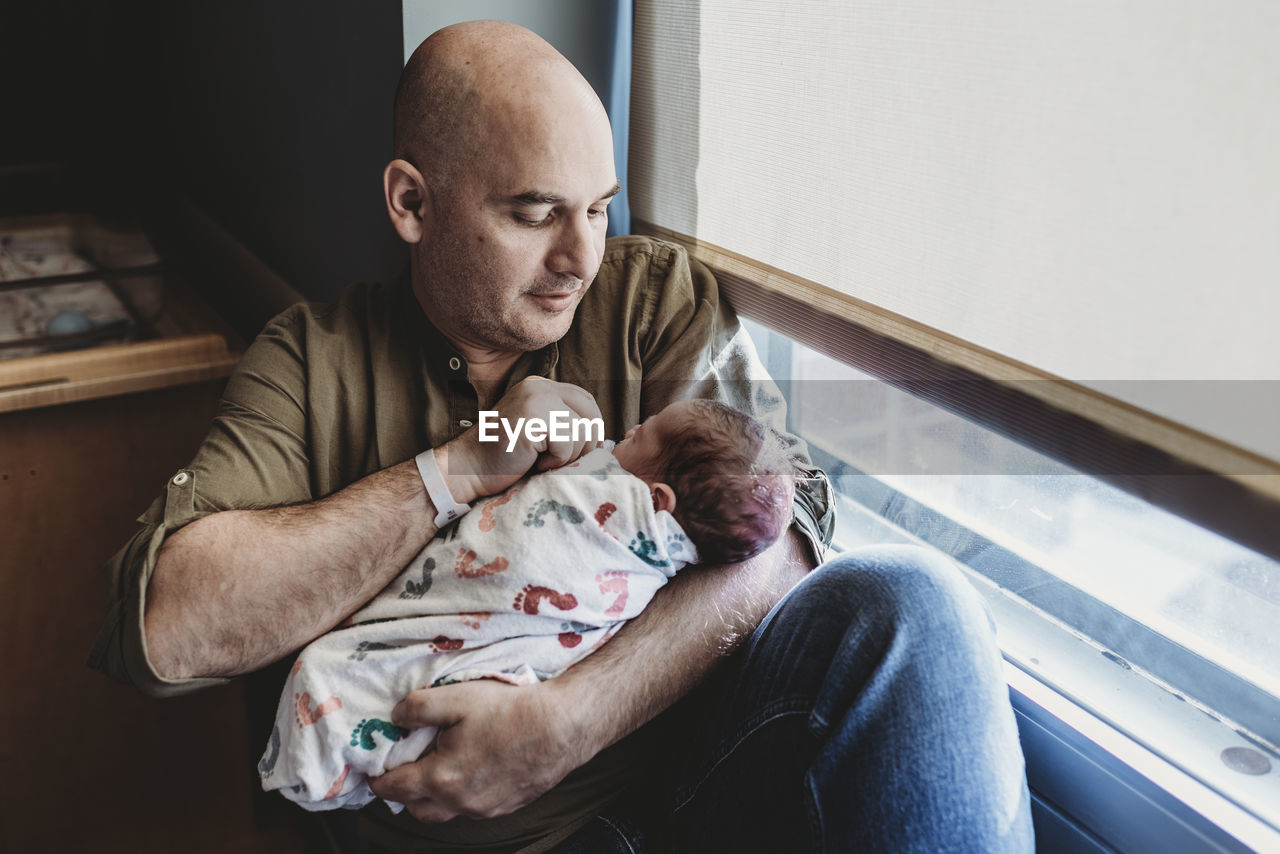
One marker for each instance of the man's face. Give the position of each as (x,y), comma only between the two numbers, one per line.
(515,241)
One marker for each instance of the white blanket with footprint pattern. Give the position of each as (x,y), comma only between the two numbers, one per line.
(530,582)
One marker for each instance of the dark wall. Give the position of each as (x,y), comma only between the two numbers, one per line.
(274,117)
(281,121)
(80,90)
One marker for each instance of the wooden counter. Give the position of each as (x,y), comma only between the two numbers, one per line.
(87,440)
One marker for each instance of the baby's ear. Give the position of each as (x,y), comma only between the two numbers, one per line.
(664,497)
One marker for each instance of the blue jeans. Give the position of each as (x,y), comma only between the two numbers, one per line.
(867,713)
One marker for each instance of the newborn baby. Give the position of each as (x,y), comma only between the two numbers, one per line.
(530,582)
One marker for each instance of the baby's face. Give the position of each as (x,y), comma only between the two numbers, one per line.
(641,450)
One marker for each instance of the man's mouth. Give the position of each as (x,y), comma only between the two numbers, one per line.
(556,300)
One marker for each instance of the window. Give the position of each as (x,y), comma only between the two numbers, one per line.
(1017,267)
(1154,594)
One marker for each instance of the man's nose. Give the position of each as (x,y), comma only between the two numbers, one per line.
(575,253)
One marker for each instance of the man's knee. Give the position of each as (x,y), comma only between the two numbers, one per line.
(889,588)
(882,615)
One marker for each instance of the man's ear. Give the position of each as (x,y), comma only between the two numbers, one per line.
(407,198)
(664,497)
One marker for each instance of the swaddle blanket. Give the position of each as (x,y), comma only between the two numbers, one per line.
(528,583)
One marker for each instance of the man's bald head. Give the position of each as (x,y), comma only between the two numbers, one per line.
(501,184)
(468,81)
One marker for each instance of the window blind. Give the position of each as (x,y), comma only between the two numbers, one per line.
(1089,190)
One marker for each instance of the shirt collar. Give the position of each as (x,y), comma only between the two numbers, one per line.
(439,353)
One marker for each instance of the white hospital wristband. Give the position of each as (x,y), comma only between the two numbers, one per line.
(447,509)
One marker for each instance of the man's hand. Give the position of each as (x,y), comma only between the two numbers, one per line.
(499,748)
(474,469)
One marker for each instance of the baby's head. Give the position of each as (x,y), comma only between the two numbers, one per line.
(725,477)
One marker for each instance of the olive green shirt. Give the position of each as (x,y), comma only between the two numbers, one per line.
(331,392)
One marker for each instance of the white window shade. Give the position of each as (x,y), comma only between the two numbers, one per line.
(1092,188)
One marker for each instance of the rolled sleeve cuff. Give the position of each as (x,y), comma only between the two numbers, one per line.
(120,650)
(814,512)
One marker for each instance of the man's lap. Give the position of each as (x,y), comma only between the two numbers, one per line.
(868,711)
(865,682)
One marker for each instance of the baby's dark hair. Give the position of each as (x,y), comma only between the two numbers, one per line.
(733,480)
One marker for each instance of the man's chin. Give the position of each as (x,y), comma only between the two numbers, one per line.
(546,330)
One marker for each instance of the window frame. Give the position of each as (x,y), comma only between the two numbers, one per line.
(1091,779)
(1213,483)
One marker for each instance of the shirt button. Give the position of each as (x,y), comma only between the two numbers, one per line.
(181,478)
(454,363)
(465,423)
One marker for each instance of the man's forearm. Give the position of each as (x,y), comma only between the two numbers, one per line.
(692,623)
(240,589)
(237,590)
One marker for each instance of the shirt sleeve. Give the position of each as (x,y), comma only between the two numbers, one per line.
(254,456)
(694,346)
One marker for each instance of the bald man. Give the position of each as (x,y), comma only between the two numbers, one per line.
(348,435)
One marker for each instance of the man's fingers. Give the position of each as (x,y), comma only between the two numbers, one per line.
(428,811)
(583,405)
(485,468)
(562,453)
(426,782)
(427,707)
(499,748)
(403,784)
(539,397)
(551,397)
(580,401)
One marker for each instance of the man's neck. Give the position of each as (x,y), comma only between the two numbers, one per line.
(487,371)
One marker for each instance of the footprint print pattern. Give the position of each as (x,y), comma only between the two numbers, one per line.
(444,644)
(677,543)
(371,622)
(474,621)
(307,715)
(614,582)
(645,549)
(466,568)
(563,512)
(571,634)
(531,597)
(362,735)
(336,788)
(363,649)
(417,589)
(604,511)
(267,763)
(487,522)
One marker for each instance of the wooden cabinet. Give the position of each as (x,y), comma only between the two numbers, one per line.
(87,440)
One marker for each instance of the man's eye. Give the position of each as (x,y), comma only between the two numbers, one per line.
(532,222)
(596,213)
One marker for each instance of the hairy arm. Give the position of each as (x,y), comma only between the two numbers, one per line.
(237,590)
(691,624)
(502,747)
